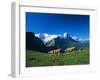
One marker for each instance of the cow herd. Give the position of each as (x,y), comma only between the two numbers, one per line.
(57,52)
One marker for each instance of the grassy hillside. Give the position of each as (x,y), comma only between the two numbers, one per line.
(34,58)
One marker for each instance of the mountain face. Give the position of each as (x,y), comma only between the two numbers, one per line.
(47,37)
(62,41)
(33,42)
(45,42)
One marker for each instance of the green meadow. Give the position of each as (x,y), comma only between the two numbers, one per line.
(36,59)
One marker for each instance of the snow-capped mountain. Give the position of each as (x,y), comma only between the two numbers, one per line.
(66,35)
(79,39)
(75,38)
(47,37)
(53,41)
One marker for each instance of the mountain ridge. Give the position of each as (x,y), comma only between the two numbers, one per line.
(46,42)
(45,37)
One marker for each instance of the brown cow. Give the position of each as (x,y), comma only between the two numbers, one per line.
(71,49)
(55,52)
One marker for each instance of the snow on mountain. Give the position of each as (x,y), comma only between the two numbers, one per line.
(75,38)
(81,40)
(50,37)
(65,35)
(37,35)
(47,37)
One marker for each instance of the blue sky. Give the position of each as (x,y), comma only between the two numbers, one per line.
(76,25)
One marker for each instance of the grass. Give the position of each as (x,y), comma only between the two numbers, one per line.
(34,58)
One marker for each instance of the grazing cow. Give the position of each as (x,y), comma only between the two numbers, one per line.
(55,52)
(71,49)
(50,52)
